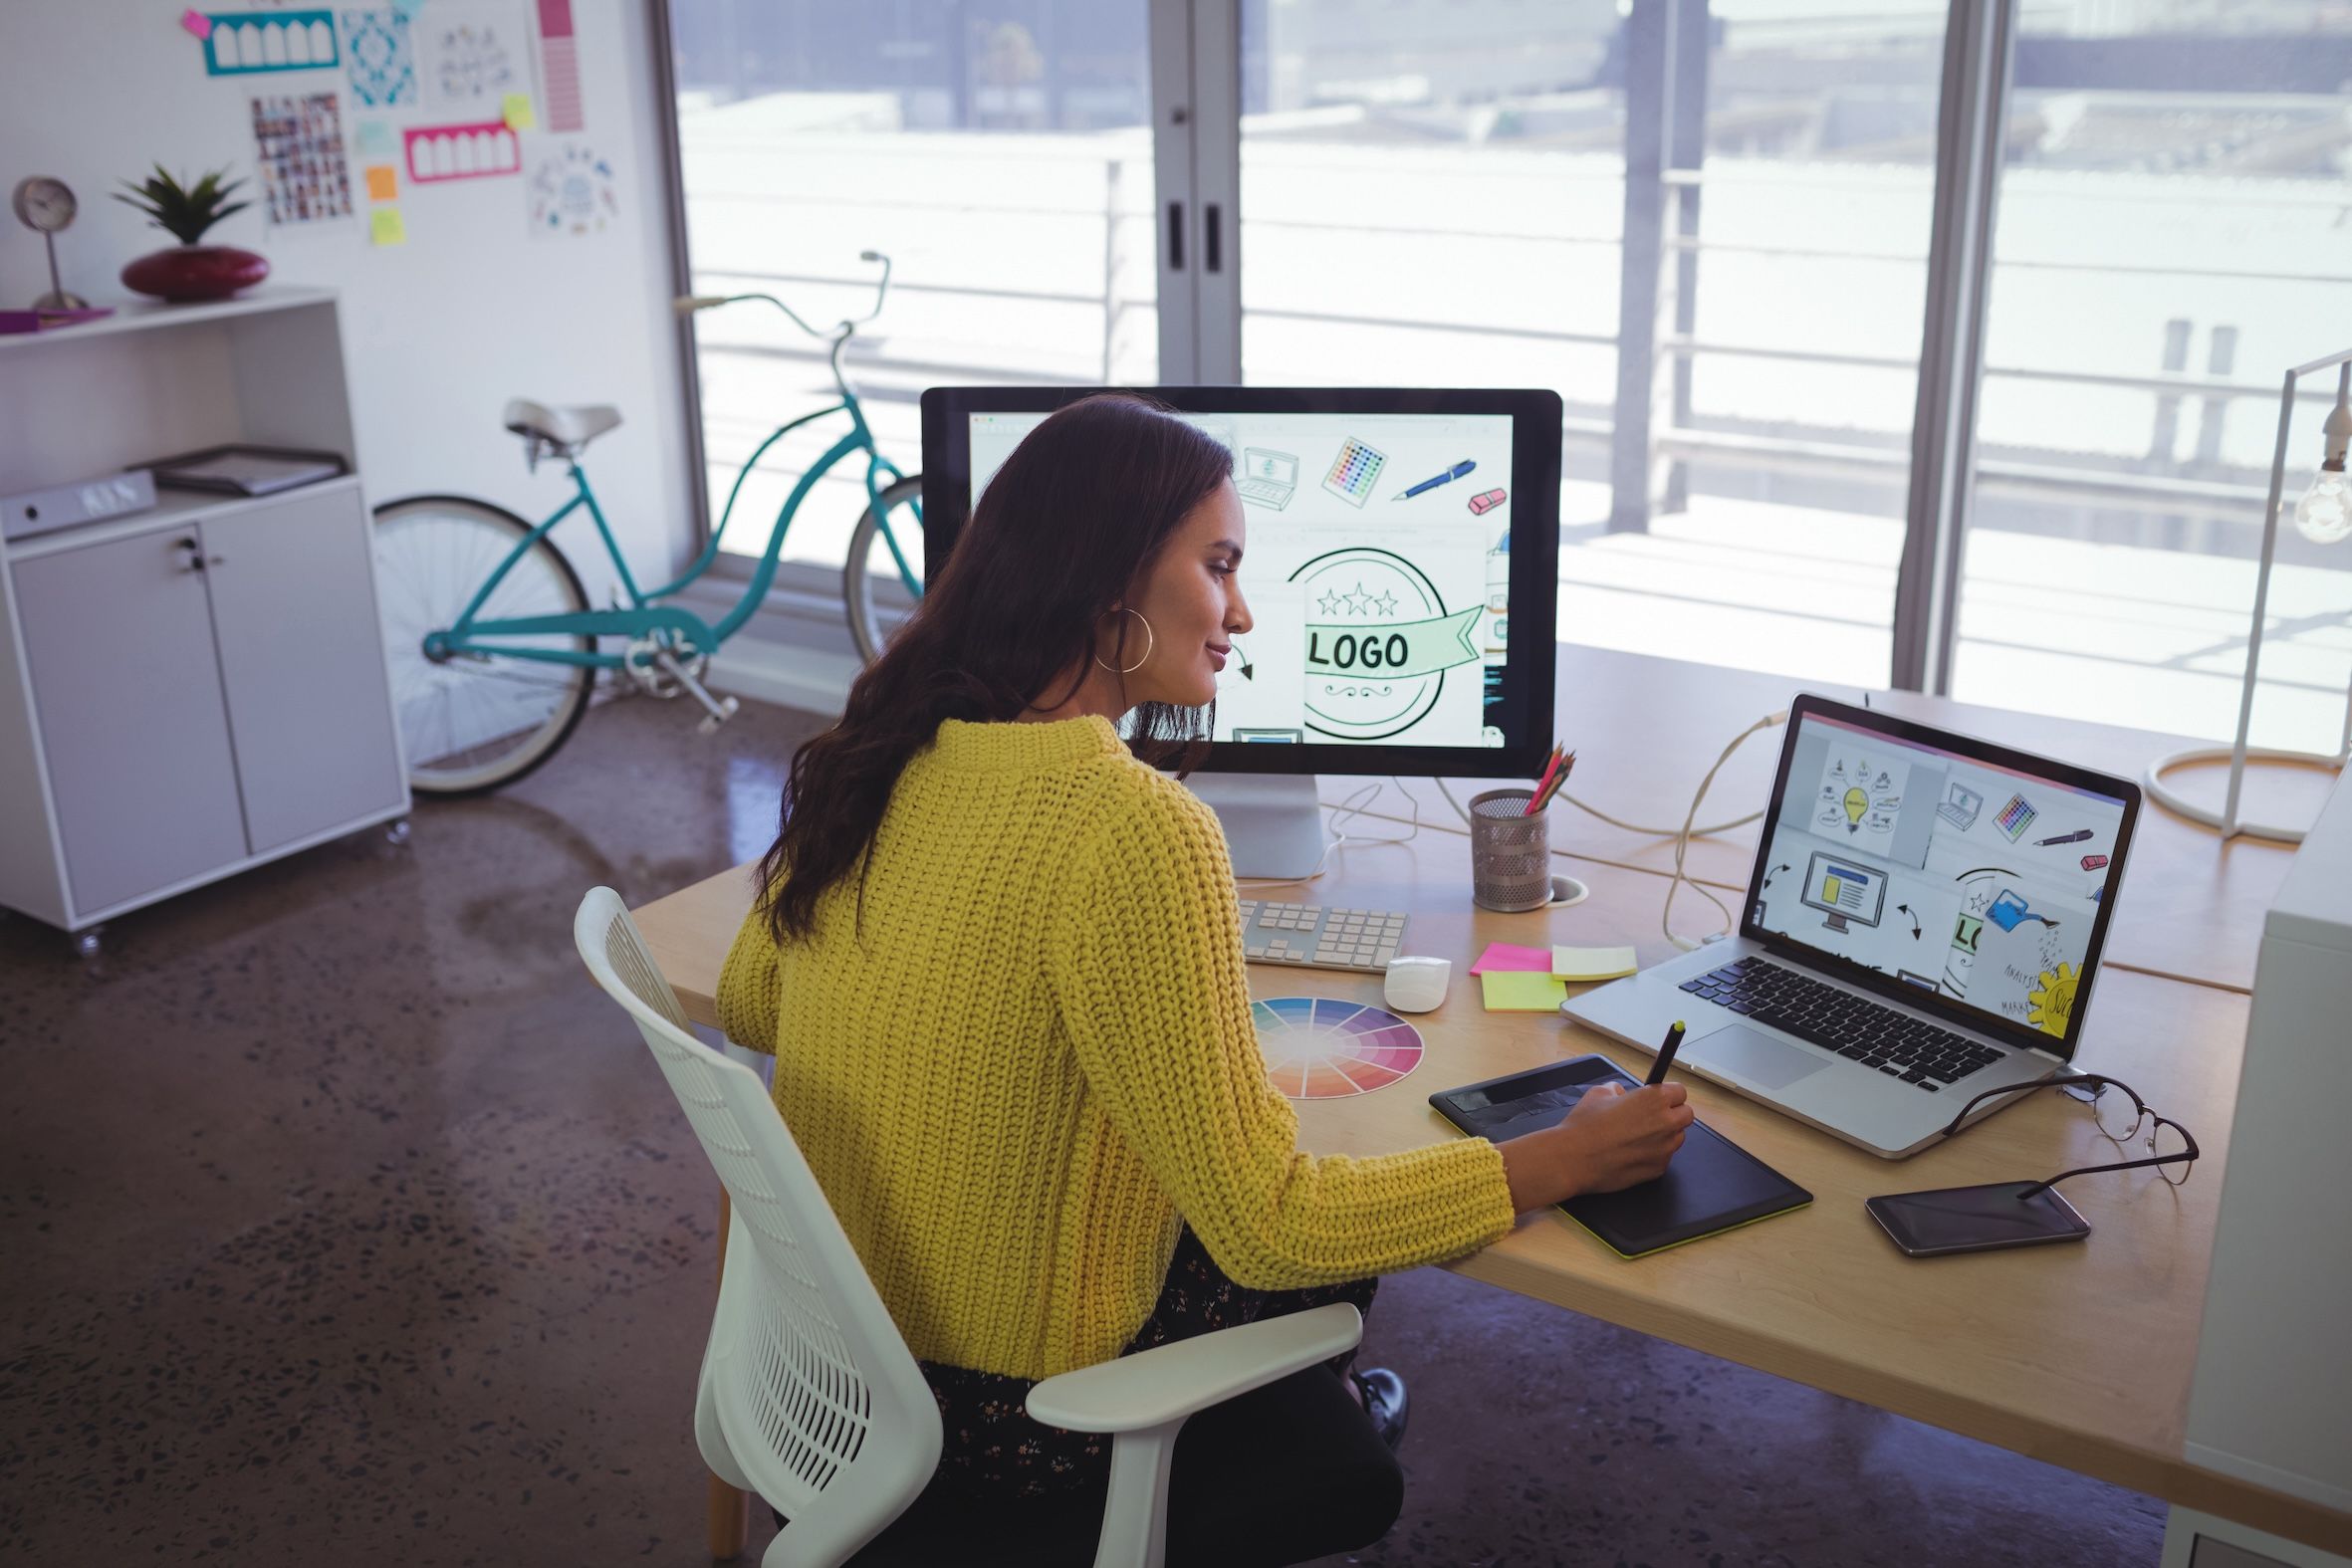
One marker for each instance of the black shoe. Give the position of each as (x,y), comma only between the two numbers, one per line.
(1385,1402)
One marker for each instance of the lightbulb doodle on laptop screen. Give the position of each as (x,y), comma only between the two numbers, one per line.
(1377,569)
(1948,873)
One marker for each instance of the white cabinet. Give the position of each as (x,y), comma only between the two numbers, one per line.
(191,691)
(301,663)
(118,642)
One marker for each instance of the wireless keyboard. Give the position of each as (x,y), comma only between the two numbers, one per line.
(1308,936)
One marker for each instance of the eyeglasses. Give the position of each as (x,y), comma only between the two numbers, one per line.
(2121,1114)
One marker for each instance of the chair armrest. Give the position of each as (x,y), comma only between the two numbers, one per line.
(1169,1383)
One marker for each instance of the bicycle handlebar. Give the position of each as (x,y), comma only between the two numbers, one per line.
(688,304)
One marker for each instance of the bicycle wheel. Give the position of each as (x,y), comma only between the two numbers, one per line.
(869,559)
(471,722)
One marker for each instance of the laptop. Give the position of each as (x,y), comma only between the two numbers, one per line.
(1267,478)
(1896,957)
(1960,807)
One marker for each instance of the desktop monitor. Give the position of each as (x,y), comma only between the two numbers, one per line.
(1397,538)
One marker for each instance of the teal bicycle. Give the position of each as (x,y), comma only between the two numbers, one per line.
(494,650)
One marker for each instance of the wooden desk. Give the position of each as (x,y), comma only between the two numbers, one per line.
(2079,1355)
(2191,907)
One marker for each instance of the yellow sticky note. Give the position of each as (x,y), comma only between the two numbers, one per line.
(518,111)
(1522,991)
(384,182)
(385,228)
(1592,963)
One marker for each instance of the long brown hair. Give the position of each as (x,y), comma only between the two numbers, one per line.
(1064,530)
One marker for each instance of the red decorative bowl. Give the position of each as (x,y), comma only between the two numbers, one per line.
(188,273)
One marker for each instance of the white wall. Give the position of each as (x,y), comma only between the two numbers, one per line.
(438,332)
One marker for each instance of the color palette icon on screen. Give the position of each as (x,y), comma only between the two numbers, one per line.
(1354,471)
(1322,1047)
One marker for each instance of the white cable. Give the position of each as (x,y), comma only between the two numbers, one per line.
(1682,843)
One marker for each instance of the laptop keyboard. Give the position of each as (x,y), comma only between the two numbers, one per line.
(1896,1043)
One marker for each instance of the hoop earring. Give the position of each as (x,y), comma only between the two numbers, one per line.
(1148,640)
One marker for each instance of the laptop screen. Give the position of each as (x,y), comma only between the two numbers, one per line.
(1972,879)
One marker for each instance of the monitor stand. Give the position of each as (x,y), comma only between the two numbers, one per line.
(1273,824)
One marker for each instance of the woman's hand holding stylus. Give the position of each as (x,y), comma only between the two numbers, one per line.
(1613,1139)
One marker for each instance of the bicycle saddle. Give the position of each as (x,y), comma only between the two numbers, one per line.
(567,429)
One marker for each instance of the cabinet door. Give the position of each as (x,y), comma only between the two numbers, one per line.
(302,660)
(120,646)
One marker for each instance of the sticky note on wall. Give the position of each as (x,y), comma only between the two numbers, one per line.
(385,228)
(384,182)
(518,111)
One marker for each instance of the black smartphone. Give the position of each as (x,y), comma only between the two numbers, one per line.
(1976,1219)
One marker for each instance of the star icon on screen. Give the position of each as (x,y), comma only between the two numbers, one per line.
(1329,603)
(1387,603)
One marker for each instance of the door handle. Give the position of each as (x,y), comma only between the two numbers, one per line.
(1176,236)
(193,559)
(1211,247)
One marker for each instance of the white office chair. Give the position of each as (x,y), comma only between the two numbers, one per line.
(807,1393)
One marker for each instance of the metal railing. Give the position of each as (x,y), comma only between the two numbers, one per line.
(1680,441)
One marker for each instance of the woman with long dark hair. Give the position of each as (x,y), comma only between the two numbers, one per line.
(998,959)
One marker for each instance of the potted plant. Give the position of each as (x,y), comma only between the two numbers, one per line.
(189,271)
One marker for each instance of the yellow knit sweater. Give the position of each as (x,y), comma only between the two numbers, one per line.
(1041,1056)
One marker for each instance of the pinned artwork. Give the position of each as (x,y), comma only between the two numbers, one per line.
(385,228)
(384,182)
(559,65)
(298,147)
(471,55)
(373,139)
(383,68)
(573,193)
(475,151)
(241,43)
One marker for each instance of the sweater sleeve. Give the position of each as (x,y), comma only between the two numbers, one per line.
(750,996)
(1144,957)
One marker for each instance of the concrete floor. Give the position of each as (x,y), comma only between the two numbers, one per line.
(347,1222)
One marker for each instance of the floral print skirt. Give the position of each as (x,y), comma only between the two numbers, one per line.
(992,1448)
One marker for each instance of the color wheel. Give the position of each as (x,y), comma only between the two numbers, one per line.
(1320,1048)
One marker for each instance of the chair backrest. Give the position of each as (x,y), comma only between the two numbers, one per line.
(821,1405)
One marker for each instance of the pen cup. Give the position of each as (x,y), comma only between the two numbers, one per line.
(1510,854)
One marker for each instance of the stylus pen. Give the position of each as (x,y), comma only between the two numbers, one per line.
(2075,837)
(1665,1056)
(1446,478)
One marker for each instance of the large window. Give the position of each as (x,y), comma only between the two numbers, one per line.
(2171,237)
(996,152)
(1705,223)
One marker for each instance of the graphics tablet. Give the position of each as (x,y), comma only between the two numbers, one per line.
(1711,1183)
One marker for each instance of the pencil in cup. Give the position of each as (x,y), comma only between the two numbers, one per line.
(1556,774)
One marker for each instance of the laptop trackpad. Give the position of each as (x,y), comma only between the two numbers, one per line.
(1755,1058)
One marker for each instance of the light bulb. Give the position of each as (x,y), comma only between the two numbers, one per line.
(1856,803)
(2324,515)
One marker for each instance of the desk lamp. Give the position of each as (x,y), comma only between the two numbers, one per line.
(2323,516)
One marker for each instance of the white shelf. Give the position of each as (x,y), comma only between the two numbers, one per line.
(143,314)
(172,509)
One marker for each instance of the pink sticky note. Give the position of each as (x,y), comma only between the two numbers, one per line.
(196,22)
(1504,956)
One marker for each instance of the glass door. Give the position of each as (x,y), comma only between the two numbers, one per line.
(999,152)
(1703,225)
(2170,238)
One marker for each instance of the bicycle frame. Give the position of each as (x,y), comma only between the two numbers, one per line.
(645,617)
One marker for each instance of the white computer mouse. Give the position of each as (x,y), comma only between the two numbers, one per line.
(1416,984)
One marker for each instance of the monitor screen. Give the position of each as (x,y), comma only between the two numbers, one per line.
(1960,871)
(1394,541)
